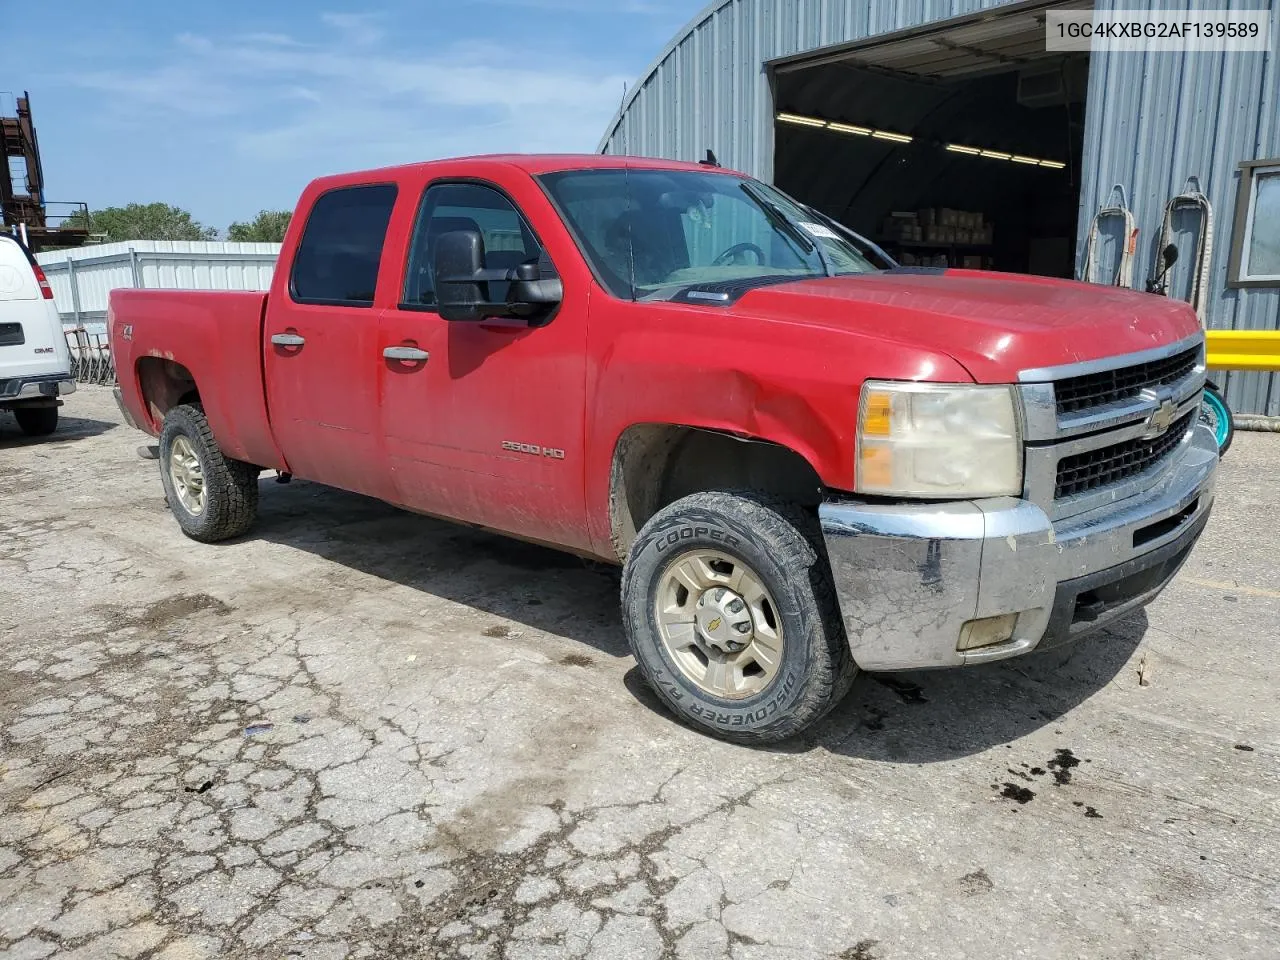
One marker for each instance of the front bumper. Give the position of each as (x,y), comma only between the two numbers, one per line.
(43,387)
(910,576)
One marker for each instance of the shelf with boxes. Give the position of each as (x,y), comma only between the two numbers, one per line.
(959,236)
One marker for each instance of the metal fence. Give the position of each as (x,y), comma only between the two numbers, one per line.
(83,278)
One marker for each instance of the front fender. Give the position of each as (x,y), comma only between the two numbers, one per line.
(794,385)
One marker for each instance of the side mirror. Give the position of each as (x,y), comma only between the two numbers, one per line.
(1169,255)
(463,283)
(458,261)
(531,294)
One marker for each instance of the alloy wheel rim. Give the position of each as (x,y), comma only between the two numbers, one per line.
(719,624)
(187,475)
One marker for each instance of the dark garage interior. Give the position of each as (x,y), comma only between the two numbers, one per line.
(951,148)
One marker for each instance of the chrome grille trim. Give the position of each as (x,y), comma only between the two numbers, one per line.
(1040,408)
(1051,437)
(1092,391)
(1084,367)
(1086,472)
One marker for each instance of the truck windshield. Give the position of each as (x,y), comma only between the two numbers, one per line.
(655,234)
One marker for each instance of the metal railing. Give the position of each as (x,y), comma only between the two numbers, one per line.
(83,279)
(91,360)
(1257,350)
(67,215)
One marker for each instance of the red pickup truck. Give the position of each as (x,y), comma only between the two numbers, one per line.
(807,459)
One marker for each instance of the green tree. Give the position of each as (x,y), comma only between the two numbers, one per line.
(267,227)
(145,221)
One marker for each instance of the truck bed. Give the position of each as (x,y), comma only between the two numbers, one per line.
(218,336)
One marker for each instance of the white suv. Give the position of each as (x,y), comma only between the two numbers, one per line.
(35,364)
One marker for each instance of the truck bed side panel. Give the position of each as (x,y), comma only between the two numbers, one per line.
(217,337)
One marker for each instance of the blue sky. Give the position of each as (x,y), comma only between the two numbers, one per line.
(226,107)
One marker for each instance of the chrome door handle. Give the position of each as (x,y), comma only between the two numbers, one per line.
(406,353)
(287,340)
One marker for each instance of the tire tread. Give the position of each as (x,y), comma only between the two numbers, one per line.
(231,487)
(36,421)
(791,534)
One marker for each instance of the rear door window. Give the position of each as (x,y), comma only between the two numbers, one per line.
(337,259)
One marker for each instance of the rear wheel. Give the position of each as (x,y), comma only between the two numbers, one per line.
(37,421)
(729,609)
(212,496)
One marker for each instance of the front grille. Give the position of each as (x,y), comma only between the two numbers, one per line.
(11,335)
(1107,465)
(1096,389)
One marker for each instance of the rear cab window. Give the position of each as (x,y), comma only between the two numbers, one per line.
(341,247)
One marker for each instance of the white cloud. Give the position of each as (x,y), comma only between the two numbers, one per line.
(362,29)
(350,99)
(272,39)
(171,88)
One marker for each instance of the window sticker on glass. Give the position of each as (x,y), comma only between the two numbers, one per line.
(818,230)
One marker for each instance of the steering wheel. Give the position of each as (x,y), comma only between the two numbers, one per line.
(734,253)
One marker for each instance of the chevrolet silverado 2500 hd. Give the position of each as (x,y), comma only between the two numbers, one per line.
(807,460)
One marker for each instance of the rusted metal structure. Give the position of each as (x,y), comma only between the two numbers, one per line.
(22,202)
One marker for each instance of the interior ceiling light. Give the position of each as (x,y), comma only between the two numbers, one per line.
(1001,155)
(803,121)
(836,127)
(849,128)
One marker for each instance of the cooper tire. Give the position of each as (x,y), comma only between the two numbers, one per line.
(778,544)
(36,421)
(230,488)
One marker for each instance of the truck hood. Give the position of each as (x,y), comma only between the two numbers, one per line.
(994,324)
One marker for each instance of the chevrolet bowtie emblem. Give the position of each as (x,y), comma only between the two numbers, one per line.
(1162,419)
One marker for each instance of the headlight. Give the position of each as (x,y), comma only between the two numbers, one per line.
(938,440)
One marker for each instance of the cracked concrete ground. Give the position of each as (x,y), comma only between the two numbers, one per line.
(359,733)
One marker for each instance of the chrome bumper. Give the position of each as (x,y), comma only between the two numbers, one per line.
(910,576)
(43,387)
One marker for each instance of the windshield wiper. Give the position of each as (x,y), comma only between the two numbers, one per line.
(781,221)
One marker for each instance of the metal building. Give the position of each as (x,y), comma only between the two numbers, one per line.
(1017,147)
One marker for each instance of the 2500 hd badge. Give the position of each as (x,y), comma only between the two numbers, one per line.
(533,449)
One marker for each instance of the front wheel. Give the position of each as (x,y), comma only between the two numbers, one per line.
(729,609)
(212,496)
(1215,414)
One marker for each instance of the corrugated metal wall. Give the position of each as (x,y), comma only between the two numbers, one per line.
(709,88)
(82,278)
(1153,120)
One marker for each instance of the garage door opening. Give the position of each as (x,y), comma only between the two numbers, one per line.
(957,147)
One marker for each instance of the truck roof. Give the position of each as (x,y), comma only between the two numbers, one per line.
(531,163)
